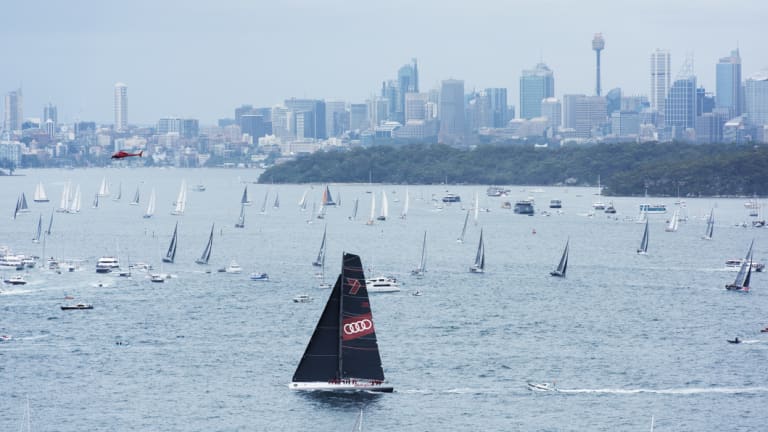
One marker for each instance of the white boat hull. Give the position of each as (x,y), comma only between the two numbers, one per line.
(348,385)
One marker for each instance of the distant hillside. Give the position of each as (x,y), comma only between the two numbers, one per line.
(624,169)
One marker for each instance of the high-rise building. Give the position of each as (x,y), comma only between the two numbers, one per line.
(451,112)
(121,107)
(535,85)
(407,82)
(189,128)
(551,108)
(335,115)
(49,113)
(416,106)
(625,123)
(756,99)
(598,43)
(728,89)
(497,97)
(613,99)
(569,110)
(313,127)
(254,126)
(14,113)
(168,125)
(591,114)
(661,78)
(242,110)
(358,117)
(680,105)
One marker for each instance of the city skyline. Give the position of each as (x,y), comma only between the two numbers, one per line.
(75,53)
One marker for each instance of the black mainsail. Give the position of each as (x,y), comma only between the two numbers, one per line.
(170,254)
(562,266)
(320,260)
(343,353)
(207,251)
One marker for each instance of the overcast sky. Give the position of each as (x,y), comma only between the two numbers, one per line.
(201,59)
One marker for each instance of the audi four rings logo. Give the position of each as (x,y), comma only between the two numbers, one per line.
(358,326)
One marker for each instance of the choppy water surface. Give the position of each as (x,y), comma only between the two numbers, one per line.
(626,337)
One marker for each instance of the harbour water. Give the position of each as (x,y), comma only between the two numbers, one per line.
(626,337)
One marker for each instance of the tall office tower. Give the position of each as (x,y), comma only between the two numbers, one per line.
(613,99)
(254,126)
(728,89)
(335,113)
(551,108)
(358,117)
(49,113)
(451,112)
(168,125)
(756,98)
(591,114)
(14,113)
(281,119)
(241,111)
(680,104)
(407,82)
(121,107)
(661,78)
(535,85)
(416,106)
(313,127)
(598,43)
(569,110)
(189,128)
(497,97)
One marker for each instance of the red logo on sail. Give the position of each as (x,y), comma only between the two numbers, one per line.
(354,286)
(355,327)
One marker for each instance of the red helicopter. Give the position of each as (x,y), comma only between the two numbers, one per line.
(124,154)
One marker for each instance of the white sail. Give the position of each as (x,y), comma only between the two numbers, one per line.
(74,206)
(181,200)
(64,204)
(384,207)
(477,207)
(135,200)
(373,210)
(104,188)
(40,195)
(119,192)
(303,200)
(404,214)
(151,206)
(673,222)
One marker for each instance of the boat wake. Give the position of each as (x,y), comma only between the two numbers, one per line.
(672,391)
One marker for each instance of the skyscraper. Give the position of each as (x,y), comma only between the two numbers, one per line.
(661,77)
(551,108)
(598,43)
(407,82)
(756,98)
(416,106)
(49,113)
(728,89)
(358,117)
(680,105)
(498,99)
(313,124)
(451,111)
(535,85)
(335,117)
(121,107)
(14,113)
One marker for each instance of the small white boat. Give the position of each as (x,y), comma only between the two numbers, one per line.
(302,298)
(234,267)
(256,276)
(15,280)
(542,387)
(382,284)
(157,278)
(77,306)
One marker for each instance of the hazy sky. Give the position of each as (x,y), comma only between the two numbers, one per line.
(201,59)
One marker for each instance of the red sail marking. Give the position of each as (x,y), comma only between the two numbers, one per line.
(354,286)
(357,326)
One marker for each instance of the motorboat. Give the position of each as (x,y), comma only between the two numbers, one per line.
(302,298)
(451,198)
(653,208)
(106,264)
(234,267)
(610,209)
(157,278)
(735,264)
(524,207)
(12,261)
(382,284)
(542,387)
(256,276)
(15,280)
(77,306)
(555,203)
(496,191)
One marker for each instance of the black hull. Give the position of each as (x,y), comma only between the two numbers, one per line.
(732,287)
(556,274)
(168,260)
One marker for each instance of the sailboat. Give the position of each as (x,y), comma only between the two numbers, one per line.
(460,239)
(181,200)
(643,249)
(104,187)
(477,208)
(562,266)
(303,201)
(170,254)
(406,204)
(241,220)
(245,200)
(343,354)
(23,206)
(74,206)
(40,195)
(422,268)
(354,210)
(39,231)
(321,212)
(598,205)
(119,192)
(151,206)
(479,265)
(135,200)
(741,283)
(96,201)
(207,251)
(673,222)
(16,209)
(50,225)
(373,210)
(327,198)
(64,203)
(710,225)
(276,204)
(318,262)
(384,207)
